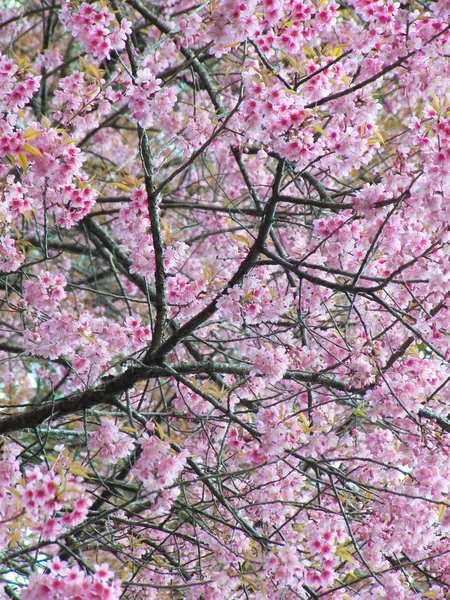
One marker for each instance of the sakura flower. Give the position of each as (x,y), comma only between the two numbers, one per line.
(271,362)
(110,442)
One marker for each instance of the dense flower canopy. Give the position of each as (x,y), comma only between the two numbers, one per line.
(225,275)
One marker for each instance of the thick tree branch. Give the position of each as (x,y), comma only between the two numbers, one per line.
(114,387)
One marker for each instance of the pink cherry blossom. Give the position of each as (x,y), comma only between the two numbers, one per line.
(225,268)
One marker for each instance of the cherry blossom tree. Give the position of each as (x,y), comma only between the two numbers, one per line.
(225,275)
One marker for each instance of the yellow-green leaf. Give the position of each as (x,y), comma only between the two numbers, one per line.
(31,134)
(310,52)
(167,232)
(240,238)
(378,135)
(161,433)
(336,52)
(32,149)
(437,102)
(122,186)
(23,161)
(16,493)
(207,273)
(320,130)
(94,71)
(306,424)
(209,387)
(344,554)
(16,536)
(77,469)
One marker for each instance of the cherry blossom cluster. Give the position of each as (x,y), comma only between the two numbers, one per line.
(133,228)
(254,302)
(110,442)
(71,582)
(47,292)
(146,99)
(11,256)
(225,268)
(50,500)
(82,339)
(17,85)
(95,26)
(80,104)
(159,466)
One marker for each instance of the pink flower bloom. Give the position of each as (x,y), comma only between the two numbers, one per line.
(271,362)
(94,26)
(110,442)
(47,292)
